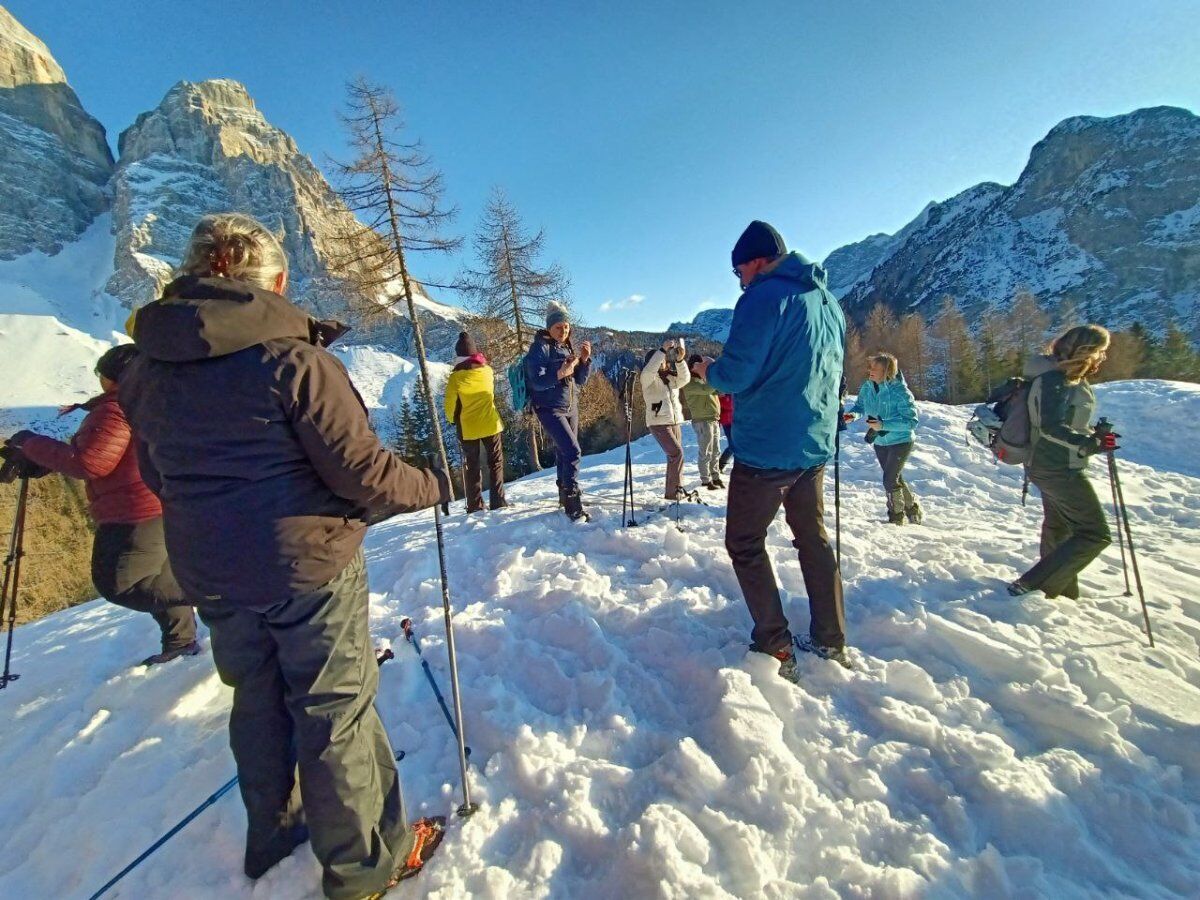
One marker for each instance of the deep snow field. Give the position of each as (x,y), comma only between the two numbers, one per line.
(625,744)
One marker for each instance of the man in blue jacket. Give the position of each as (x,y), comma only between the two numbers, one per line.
(782,363)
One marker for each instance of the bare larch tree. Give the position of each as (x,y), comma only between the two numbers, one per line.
(393,190)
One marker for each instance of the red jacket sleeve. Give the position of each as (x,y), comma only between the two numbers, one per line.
(94,451)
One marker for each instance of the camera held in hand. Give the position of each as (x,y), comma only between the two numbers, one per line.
(675,351)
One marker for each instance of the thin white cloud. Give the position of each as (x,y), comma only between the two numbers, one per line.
(627,303)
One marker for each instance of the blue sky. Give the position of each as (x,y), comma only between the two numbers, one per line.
(644,136)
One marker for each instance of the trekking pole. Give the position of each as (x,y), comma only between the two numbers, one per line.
(407,626)
(837,490)
(628,486)
(221,792)
(12,578)
(1137,575)
(468,808)
(1117,516)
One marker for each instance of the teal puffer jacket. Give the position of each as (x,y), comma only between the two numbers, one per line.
(892,404)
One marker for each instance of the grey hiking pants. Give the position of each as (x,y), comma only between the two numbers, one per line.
(708,439)
(670,439)
(304,680)
(1074,532)
(892,459)
(130,569)
(755,496)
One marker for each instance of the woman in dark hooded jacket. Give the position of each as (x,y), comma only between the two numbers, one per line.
(1061,407)
(269,473)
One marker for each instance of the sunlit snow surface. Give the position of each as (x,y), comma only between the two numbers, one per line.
(625,744)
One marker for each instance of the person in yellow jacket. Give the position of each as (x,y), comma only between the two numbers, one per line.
(471,406)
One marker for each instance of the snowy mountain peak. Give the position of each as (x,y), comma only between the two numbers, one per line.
(207,148)
(54,158)
(24,59)
(211,118)
(1104,217)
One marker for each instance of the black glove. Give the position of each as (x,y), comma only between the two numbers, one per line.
(15,465)
(445,488)
(19,438)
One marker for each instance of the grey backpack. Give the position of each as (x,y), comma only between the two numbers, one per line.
(1002,423)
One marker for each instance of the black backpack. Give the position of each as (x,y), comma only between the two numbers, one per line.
(1002,423)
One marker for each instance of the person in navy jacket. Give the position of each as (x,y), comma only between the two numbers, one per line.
(555,375)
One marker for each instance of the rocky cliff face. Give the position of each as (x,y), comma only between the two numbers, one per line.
(1105,216)
(712,324)
(55,162)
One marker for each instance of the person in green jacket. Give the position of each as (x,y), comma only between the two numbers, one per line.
(705,407)
(1061,406)
(471,405)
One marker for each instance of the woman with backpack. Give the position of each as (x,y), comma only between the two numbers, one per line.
(129,552)
(1061,407)
(555,375)
(891,414)
(470,404)
(664,372)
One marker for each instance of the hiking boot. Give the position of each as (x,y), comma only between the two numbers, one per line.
(707,485)
(787,666)
(835,654)
(895,518)
(1018,589)
(573,506)
(419,844)
(192,649)
(915,516)
(718,483)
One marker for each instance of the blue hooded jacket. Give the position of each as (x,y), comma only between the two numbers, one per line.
(783,364)
(892,404)
(542,362)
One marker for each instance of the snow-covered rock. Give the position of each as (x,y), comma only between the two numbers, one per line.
(1103,217)
(710,323)
(54,158)
(626,744)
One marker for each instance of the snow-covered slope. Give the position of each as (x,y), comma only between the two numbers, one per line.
(625,744)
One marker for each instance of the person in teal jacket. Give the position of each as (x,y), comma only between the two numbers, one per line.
(782,362)
(891,414)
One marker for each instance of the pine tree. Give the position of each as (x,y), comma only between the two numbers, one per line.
(509,286)
(392,184)
(1126,357)
(854,363)
(995,358)
(913,353)
(880,331)
(1150,350)
(1026,327)
(1177,359)
(960,365)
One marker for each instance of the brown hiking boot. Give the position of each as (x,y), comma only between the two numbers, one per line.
(192,649)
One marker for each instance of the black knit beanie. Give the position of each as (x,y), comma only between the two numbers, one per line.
(465,345)
(113,363)
(758,241)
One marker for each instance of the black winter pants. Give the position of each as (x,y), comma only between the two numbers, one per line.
(494,447)
(892,459)
(130,568)
(563,427)
(304,680)
(1074,532)
(755,496)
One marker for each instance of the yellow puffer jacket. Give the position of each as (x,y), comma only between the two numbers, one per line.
(471,402)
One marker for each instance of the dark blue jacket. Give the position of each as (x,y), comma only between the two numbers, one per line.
(542,362)
(783,364)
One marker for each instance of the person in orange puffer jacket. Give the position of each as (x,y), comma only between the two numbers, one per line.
(129,554)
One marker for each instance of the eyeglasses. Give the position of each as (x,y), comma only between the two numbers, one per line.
(737,274)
